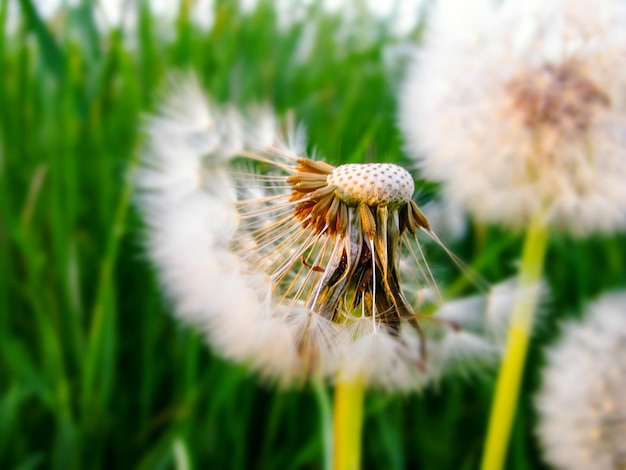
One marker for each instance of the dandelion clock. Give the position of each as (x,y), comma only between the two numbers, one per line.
(519,107)
(286,263)
(581,403)
(299,269)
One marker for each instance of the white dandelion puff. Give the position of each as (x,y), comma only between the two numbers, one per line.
(482,323)
(519,107)
(286,263)
(384,358)
(582,403)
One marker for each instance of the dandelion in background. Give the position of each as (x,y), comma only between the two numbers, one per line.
(519,109)
(582,403)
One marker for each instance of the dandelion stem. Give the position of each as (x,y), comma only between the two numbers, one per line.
(348,422)
(509,377)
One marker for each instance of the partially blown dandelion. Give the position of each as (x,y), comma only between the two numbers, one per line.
(520,107)
(288,263)
(582,404)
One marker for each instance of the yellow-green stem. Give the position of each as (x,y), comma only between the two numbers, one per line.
(348,422)
(520,329)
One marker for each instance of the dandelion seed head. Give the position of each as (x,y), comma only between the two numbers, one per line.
(284,262)
(518,107)
(581,404)
(372,184)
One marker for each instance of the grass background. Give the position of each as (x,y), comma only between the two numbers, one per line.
(94,372)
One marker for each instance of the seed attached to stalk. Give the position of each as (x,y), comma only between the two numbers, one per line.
(366,209)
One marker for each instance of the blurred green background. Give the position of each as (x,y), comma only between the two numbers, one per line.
(94,371)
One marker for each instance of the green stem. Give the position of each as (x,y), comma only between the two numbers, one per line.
(326,425)
(520,329)
(348,422)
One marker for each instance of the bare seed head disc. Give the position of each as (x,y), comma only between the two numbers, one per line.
(372,183)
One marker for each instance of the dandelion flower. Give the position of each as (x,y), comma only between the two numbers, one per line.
(519,107)
(287,263)
(582,404)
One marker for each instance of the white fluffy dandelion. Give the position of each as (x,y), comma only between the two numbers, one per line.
(291,265)
(582,402)
(519,107)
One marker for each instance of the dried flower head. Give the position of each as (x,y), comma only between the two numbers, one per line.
(287,263)
(582,403)
(520,106)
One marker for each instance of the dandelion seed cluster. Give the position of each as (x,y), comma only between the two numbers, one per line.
(519,107)
(294,266)
(582,403)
